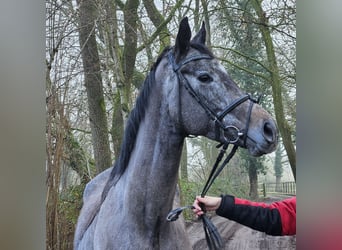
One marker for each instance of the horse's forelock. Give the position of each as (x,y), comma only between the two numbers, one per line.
(202,49)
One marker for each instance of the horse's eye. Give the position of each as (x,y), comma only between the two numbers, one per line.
(204,77)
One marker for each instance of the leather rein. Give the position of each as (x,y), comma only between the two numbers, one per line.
(213,237)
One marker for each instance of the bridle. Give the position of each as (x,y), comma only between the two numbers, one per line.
(213,237)
(220,128)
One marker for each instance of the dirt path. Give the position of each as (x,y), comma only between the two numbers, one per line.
(238,237)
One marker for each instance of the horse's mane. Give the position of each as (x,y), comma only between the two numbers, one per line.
(135,117)
(132,126)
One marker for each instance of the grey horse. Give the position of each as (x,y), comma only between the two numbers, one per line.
(187,92)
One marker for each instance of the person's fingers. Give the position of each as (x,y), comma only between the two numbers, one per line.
(201,202)
(196,205)
(197,209)
(199,213)
(201,199)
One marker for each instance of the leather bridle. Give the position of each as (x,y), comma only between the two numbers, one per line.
(220,129)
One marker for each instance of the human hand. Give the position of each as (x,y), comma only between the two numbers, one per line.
(210,204)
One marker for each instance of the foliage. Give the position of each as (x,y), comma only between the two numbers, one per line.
(69,205)
(221,187)
(77,159)
(189,191)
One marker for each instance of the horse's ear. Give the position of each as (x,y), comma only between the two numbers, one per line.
(183,38)
(201,35)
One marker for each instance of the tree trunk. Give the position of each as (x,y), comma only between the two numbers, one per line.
(130,48)
(113,46)
(117,130)
(277,185)
(197,24)
(253,182)
(157,19)
(278,168)
(54,148)
(207,22)
(184,163)
(283,126)
(93,84)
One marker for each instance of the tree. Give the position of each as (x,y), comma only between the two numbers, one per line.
(243,46)
(254,166)
(276,84)
(54,148)
(113,69)
(278,167)
(56,123)
(93,84)
(157,20)
(184,175)
(130,46)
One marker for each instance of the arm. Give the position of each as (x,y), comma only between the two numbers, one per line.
(278,218)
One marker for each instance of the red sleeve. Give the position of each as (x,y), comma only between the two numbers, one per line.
(287,210)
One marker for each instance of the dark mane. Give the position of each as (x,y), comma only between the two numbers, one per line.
(132,126)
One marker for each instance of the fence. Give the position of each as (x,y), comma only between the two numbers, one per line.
(286,188)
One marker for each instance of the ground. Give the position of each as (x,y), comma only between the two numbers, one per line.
(238,237)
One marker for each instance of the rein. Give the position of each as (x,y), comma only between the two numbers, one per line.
(213,237)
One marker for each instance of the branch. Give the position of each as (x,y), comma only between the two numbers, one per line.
(81,130)
(245,56)
(161,26)
(245,69)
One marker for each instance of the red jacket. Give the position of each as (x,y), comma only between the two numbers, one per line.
(277,218)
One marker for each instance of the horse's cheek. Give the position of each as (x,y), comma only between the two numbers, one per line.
(172,95)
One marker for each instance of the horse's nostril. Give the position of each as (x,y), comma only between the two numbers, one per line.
(270,132)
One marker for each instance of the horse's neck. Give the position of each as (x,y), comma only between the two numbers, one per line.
(153,167)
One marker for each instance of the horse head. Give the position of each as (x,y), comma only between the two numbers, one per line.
(204,100)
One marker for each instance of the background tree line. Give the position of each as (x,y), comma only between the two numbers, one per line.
(97,55)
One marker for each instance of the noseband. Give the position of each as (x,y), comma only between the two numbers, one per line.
(220,129)
(213,237)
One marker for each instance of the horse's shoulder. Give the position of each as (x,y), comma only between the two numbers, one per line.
(96,185)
